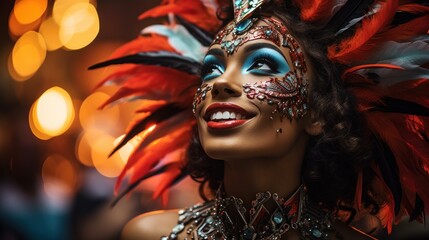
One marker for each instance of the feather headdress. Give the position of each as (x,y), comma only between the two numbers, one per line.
(162,67)
(387,70)
(386,60)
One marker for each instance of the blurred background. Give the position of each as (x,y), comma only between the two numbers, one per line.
(56,181)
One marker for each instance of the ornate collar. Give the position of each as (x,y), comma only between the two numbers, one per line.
(269,218)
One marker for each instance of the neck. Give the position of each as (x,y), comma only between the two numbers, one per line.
(245,178)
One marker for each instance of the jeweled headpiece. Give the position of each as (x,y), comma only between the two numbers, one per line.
(243,9)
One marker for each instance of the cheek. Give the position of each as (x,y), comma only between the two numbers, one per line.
(288,95)
(258,139)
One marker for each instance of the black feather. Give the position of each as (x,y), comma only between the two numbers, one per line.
(157,116)
(158,58)
(403,17)
(351,10)
(396,105)
(419,207)
(389,170)
(152,173)
(201,35)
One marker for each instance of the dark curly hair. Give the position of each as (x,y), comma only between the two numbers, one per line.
(334,158)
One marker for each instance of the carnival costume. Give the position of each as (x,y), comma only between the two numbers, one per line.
(385,65)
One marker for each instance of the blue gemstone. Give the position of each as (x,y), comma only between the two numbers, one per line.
(278,217)
(248,233)
(268,32)
(237,3)
(243,26)
(316,232)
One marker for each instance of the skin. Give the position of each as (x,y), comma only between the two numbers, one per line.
(256,156)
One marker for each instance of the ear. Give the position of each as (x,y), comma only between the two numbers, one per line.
(313,126)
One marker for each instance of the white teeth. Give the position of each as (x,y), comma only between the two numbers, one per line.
(226,116)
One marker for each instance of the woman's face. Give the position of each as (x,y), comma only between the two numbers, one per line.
(253,100)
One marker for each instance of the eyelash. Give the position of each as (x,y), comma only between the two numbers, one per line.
(207,69)
(264,58)
(266,61)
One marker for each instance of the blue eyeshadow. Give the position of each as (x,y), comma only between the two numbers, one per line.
(270,56)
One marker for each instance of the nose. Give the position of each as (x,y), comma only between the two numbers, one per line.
(223,88)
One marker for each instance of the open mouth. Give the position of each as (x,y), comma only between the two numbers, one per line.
(226,115)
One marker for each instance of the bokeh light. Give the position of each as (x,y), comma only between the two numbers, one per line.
(59,176)
(91,117)
(107,166)
(79,25)
(83,146)
(28,54)
(17,29)
(61,6)
(53,112)
(50,31)
(32,119)
(28,11)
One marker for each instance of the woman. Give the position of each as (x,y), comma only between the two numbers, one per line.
(302,104)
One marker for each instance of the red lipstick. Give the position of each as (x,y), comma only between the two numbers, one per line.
(226,115)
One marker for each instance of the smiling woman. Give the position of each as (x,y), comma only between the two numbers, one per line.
(303,126)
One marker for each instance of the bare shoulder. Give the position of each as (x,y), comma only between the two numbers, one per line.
(150,226)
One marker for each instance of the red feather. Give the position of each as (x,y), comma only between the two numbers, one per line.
(143,160)
(387,212)
(350,49)
(403,134)
(191,10)
(151,105)
(315,10)
(366,66)
(414,8)
(403,32)
(152,42)
(170,84)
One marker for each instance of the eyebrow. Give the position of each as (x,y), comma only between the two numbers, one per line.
(256,46)
(216,52)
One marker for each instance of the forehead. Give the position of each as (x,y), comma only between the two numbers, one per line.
(269,29)
(253,31)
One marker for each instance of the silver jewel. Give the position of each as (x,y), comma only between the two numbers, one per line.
(269,218)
